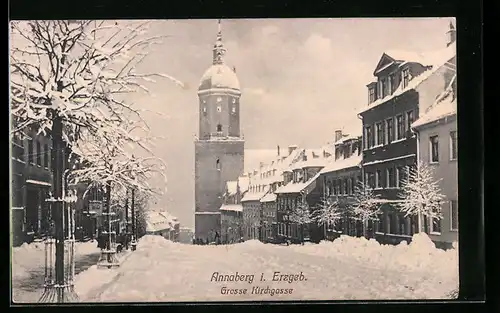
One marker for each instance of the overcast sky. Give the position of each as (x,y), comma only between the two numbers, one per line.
(301,79)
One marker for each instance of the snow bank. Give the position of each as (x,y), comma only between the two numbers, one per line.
(252,242)
(31,257)
(438,268)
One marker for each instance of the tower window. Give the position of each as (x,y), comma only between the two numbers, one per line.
(233,109)
(219,127)
(217,164)
(219,108)
(204,110)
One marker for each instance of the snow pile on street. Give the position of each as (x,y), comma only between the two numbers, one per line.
(348,268)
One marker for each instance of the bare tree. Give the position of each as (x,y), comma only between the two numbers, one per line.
(69,76)
(366,205)
(301,215)
(328,212)
(420,194)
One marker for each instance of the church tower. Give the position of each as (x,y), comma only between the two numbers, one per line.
(219,148)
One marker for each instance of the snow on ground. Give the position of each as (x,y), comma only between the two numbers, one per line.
(346,269)
(28,268)
(28,257)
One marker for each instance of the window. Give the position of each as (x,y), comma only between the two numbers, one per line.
(390,130)
(219,128)
(378,179)
(409,119)
(382,88)
(454,214)
(436,225)
(453,145)
(425,220)
(353,185)
(400,127)
(401,176)
(380,134)
(204,110)
(381,223)
(38,153)
(217,164)
(346,188)
(30,150)
(392,83)
(219,108)
(371,180)
(371,95)
(17,147)
(406,77)
(368,137)
(233,109)
(391,181)
(46,156)
(434,146)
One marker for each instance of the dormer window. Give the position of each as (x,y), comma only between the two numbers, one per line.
(406,77)
(383,86)
(371,95)
(392,83)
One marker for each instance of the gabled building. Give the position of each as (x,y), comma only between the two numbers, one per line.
(406,85)
(162,223)
(232,211)
(300,184)
(438,147)
(339,179)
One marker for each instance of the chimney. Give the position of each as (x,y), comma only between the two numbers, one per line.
(278,150)
(291,149)
(451,34)
(338,135)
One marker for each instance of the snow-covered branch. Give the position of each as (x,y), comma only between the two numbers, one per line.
(421,194)
(328,211)
(77,70)
(301,213)
(366,204)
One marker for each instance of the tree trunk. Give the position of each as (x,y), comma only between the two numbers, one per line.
(108,219)
(126,221)
(134,235)
(58,214)
(419,222)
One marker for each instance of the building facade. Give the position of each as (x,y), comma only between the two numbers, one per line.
(219,147)
(438,148)
(406,85)
(339,179)
(31,183)
(300,187)
(231,223)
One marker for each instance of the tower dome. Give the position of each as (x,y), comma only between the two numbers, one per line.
(219,75)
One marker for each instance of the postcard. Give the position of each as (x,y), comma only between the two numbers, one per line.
(233,160)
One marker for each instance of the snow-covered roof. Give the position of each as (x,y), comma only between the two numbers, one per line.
(255,196)
(444,107)
(270,197)
(232,207)
(347,137)
(336,165)
(253,158)
(232,187)
(219,76)
(314,158)
(156,222)
(243,182)
(435,59)
(296,187)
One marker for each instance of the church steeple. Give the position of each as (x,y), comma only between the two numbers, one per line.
(219,50)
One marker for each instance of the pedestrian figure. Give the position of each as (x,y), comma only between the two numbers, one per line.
(217,238)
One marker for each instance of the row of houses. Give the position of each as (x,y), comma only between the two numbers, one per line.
(162,223)
(410,116)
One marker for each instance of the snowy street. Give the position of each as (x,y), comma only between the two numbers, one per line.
(28,268)
(164,271)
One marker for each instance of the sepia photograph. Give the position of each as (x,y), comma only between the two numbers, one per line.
(233,160)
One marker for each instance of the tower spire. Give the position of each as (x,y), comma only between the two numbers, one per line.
(219,50)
